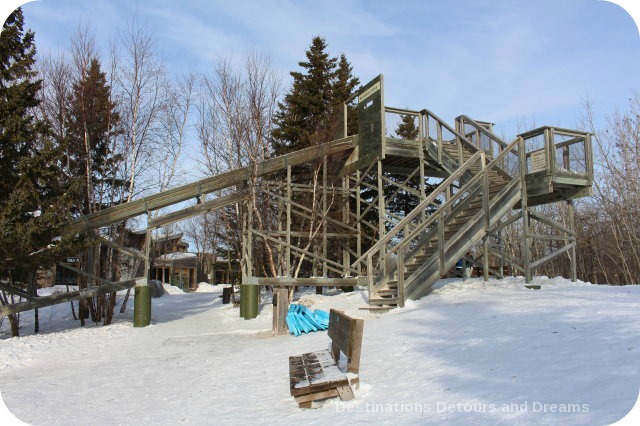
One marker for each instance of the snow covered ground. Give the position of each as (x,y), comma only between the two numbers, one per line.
(470,353)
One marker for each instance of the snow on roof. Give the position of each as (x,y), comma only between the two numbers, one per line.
(176,256)
(168,237)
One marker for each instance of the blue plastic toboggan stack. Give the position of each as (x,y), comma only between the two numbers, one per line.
(301,320)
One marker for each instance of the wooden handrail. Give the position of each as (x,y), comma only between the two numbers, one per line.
(466,119)
(443,208)
(418,209)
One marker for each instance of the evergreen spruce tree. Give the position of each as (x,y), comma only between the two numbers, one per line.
(91,125)
(407,128)
(309,111)
(33,197)
(18,89)
(404,202)
(310,115)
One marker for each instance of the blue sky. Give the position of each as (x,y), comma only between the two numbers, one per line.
(507,61)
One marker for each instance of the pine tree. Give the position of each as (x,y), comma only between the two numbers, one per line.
(18,89)
(404,202)
(407,128)
(91,124)
(33,198)
(308,114)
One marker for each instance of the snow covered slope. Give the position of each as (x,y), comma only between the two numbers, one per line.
(470,353)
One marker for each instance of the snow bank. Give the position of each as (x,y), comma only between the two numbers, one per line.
(172,289)
(456,285)
(208,288)
(470,353)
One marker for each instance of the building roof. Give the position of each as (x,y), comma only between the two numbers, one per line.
(169,257)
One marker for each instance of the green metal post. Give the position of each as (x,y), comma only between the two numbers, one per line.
(248,301)
(142,306)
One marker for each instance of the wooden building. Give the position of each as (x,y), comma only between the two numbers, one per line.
(172,264)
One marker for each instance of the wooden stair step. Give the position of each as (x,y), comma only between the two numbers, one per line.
(384,301)
(377,308)
(422,257)
(464,216)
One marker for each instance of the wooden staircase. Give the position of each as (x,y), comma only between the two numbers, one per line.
(450,232)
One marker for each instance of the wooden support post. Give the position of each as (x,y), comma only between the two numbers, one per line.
(281,204)
(381,217)
(526,240)
(142,306)
(280,309)
(147,252)
(346,260)
(325,213)
(526,246)
(572,252)
(287,256)
(359,220)
(423,193)
(400,269)
(501,248)
(485,207)
(485,258)
(247,241)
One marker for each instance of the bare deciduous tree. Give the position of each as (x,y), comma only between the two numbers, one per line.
(140,82)
(236,120)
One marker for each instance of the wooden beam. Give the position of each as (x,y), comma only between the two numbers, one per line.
(196,210)
(127,250)
(552,255)
(550,222)
(307,209)
(86,274)
(204,186)
(56,299)
(298,249)
(306,234)
(319,282)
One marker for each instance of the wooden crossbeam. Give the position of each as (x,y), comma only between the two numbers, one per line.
(86,274)
(55,299)
(550,222)
(331,268)
(307,209)
(205,186)
(133,253)
(507,257)
(400,186)
(551,256)
(306,234)
(320,282)
(300,250)
(196,210)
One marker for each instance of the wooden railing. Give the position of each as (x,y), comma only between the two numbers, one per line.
(388,257)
